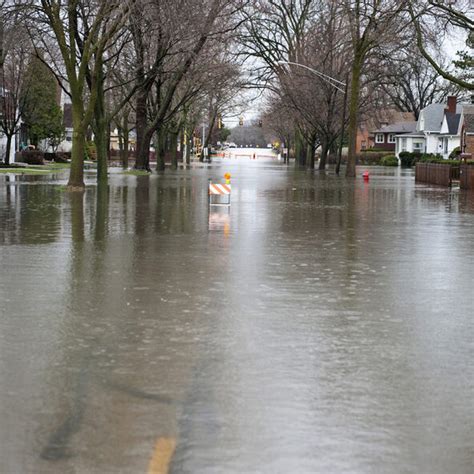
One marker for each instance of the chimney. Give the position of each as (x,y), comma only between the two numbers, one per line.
(452,101)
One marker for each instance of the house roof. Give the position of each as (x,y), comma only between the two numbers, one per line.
(433,115)
(383,117)
(453,123)
(398,127)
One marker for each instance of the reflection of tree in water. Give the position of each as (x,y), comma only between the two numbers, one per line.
(97,320)
(166,208)
(74,384)
(33,211)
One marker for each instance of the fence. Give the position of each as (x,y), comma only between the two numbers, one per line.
(467,177)
(436,173)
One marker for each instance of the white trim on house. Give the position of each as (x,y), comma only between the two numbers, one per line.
(379,138)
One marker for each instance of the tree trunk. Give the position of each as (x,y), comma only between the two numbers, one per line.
(324,155)
(76,176)
(353,115)
(142,160)
(8,149)
(160,146)
(123,136)
(101,130)
(188,148)
(288,147)
(310,154)
(100,140)
(300,151)
(124,150)
(174,150)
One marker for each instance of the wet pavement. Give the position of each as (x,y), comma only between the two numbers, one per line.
(318,326)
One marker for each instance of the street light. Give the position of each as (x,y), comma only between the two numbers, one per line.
(325,77)
(328,79)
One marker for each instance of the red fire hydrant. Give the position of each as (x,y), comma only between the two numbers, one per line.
(366,175)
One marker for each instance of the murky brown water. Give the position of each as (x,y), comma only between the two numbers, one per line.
(320,326)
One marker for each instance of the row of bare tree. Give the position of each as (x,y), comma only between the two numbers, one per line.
(152,65)
(160,66)
(329,63)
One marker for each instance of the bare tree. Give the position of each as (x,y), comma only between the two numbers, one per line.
(411,83)
(15,51)
(444,17)
(80,31)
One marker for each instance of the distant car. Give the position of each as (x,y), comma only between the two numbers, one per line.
(232,145)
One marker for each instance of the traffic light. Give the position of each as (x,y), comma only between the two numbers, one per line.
(260,123)
(241,121)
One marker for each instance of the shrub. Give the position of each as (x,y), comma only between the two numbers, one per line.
(371,158)
(375,150)
(408,159)
(440,161)
(455,153)
(30,157)
(389,160)
(431,158)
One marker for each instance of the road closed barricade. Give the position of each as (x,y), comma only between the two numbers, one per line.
(219,193)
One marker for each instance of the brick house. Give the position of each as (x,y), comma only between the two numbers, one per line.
(382,118)
(467,130)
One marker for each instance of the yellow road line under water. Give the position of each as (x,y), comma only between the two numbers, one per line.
(162,456)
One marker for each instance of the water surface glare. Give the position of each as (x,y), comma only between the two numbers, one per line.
(321,325)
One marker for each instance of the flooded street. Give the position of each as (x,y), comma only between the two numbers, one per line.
(321,325)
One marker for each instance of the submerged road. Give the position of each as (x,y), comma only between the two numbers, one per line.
(319,325)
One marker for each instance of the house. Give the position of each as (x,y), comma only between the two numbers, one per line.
(3,147)
(366,134)
(10,121)
(467,130)
(66,106)
(385,137)
(438,130)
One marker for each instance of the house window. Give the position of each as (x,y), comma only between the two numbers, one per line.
(418,147)
(391,138)
(404,144)
(379,138)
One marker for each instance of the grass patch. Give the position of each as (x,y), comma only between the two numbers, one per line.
(24,171)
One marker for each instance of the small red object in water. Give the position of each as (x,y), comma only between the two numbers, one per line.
(365,175)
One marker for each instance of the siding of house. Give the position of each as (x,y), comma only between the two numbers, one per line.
(385,145)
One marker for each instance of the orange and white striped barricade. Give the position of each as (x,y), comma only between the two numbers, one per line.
(217,192)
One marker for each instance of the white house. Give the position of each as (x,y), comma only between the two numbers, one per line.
(3,147)
(438,130)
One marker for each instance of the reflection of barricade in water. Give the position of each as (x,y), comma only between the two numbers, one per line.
(220,221)
(219,194)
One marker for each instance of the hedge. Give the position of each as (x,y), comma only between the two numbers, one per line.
(30,157)
(389,160)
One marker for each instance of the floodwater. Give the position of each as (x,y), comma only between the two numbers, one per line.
(319,325)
